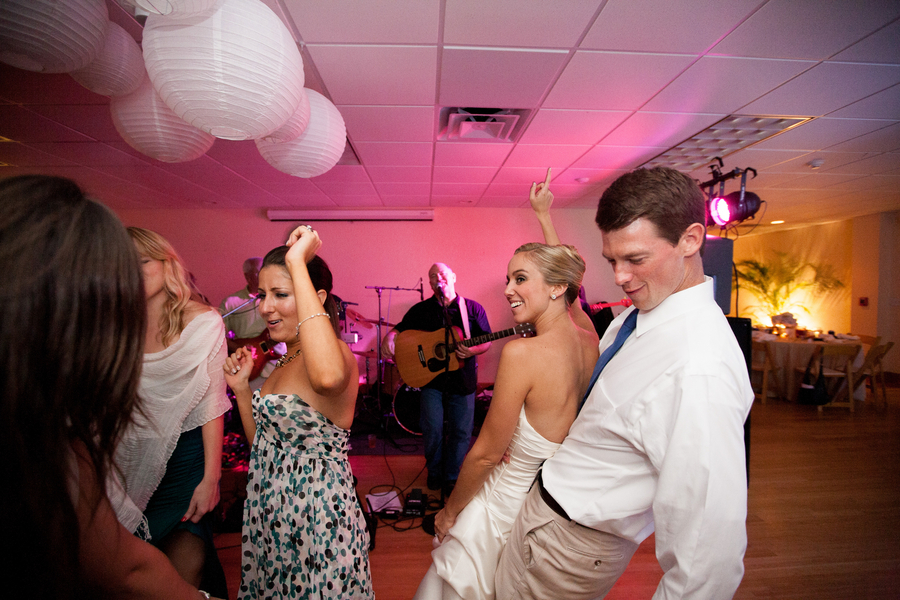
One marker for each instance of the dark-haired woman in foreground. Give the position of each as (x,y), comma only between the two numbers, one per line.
(72,323)
(303,534)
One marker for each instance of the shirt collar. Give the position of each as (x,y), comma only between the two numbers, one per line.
(677,305)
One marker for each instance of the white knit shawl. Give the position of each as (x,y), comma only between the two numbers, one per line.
(181,388)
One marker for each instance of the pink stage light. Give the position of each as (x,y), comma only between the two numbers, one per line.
(720,211)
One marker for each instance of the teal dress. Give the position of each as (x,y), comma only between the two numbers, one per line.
(304,534)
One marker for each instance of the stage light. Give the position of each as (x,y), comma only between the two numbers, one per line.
(729,209)
(733,208)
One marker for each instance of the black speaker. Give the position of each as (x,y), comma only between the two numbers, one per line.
(743,332)
(718,257)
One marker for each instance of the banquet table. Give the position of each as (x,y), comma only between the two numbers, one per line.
(790,354)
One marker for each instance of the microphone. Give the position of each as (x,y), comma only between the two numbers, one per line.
(626,302)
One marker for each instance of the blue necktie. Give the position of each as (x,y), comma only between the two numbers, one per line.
(624,332)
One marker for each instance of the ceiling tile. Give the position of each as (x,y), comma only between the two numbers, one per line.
(497,78)
(525,176)
(883,46)
(886,139)
(13,154)
(466,174)
(403,189)
(806,28)
(512,22)
(882,105)
(415,154)
(640,25)
(723,84)
(616,157)
(26,87)
(461,154)
(377,74)
(887,163)
(473,190)
(659,129)
(399,174)
(91,154)
(389,123)
(817,91)
(540,156)
(23,125)
(333,189)
(585,83)
(552,126)
(370,22)
(93,120)
(821,133)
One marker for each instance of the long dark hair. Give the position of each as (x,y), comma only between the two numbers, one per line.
(73,323)
(319,275)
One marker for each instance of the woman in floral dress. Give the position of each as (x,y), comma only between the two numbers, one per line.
(304,534)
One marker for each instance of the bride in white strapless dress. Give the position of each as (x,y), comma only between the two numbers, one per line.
(469,553)
(539,385)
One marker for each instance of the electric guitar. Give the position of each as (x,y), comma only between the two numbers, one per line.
(262,349)
(423,355)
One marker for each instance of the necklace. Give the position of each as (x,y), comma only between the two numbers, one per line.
(285,359)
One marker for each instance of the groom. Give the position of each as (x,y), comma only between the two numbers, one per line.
(658,444)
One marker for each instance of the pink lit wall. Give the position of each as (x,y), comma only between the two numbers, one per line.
(476,243)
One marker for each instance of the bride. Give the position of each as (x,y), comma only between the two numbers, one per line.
(540,383)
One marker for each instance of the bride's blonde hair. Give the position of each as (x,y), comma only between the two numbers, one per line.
(558,265)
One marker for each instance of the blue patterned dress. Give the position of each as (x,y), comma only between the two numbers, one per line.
(304,534)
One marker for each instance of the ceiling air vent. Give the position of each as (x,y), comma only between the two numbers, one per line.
(481,124)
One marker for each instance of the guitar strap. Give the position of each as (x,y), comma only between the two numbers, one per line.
(464,315)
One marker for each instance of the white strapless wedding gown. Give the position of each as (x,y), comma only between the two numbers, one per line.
(468,557)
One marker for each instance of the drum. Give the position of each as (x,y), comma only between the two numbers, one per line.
(407,408)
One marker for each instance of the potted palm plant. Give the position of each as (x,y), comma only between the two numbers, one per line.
(774,281)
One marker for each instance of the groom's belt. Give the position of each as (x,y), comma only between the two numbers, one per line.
(549,500)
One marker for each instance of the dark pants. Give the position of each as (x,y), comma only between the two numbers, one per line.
(459,413)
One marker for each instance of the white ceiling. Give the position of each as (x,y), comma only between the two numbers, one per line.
(610,84)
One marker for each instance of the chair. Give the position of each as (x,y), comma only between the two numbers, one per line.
(764,363)
(874,366)
(836,362)
(868,340)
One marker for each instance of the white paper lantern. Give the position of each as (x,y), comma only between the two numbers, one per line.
(51,36)
(233,71)
(294,126)
(317,149)
(150,127)
(119,68)
(172,7)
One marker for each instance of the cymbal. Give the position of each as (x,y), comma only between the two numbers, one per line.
(375,322)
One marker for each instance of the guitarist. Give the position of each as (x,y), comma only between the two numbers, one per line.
(244,326)
(453,391)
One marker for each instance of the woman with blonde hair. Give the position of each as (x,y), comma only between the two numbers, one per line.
(171,456)
(539,386)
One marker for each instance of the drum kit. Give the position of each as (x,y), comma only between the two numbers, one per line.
(387,395)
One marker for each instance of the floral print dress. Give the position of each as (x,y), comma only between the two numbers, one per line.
(304,534)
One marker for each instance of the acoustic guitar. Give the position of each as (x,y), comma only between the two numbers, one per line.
(423,355)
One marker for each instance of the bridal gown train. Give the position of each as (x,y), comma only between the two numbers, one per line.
(468,557)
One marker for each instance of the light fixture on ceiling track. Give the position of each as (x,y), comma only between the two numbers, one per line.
(734,208)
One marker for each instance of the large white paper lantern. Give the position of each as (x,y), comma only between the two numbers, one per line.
(294,126)
(119,68)
(233,71)
(172,7)
(51,36)
(315,150)
(150,127)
